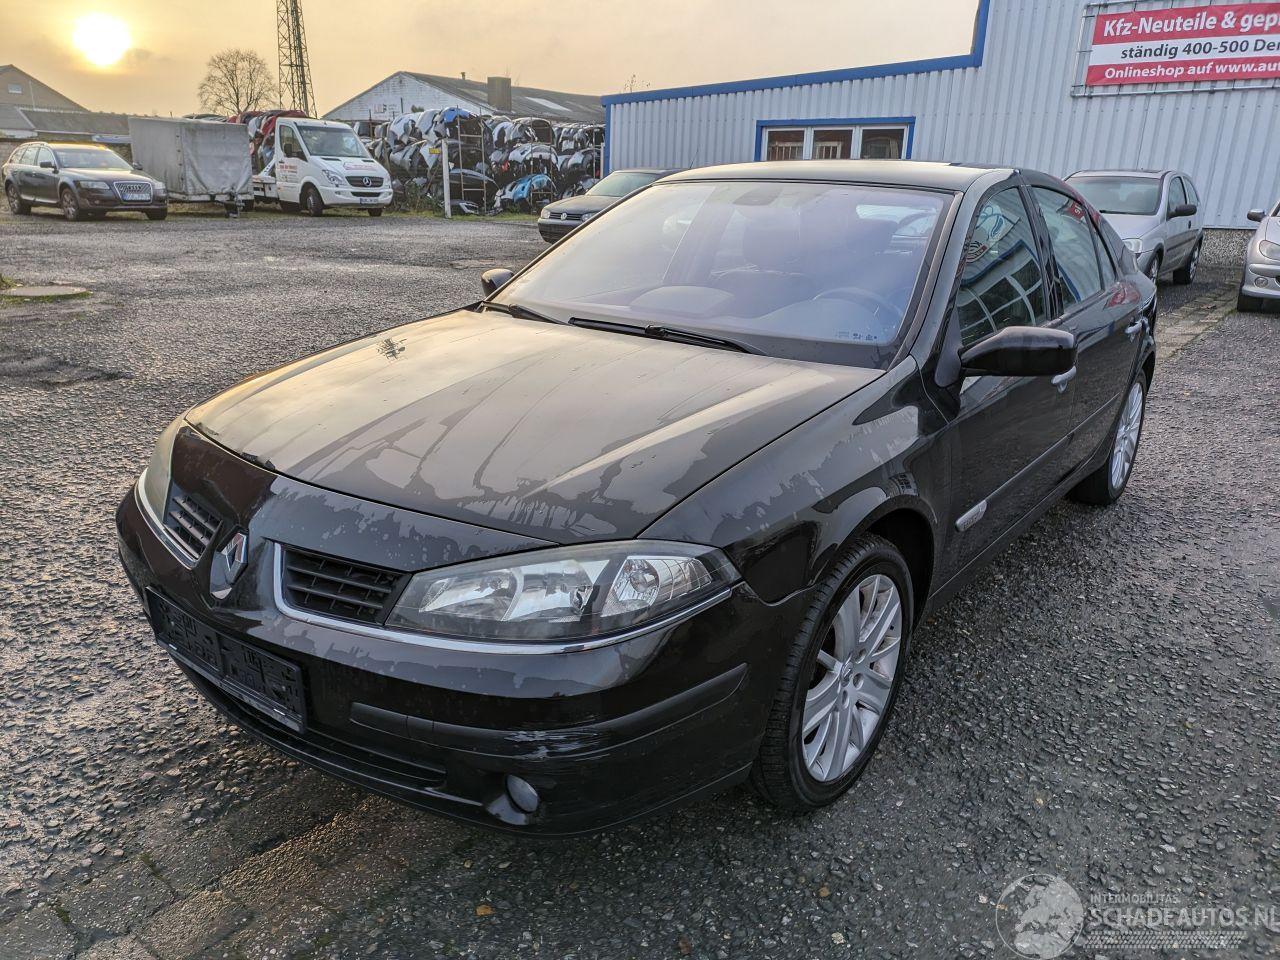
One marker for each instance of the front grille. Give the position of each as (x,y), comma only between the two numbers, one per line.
(339,588)
(570,217)
(365,181)
(364,193)
(137,192)
(192,524)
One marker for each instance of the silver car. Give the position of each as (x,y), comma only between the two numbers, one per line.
(1260,284)
(1156,213)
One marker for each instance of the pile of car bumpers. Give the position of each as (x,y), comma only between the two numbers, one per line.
(496,163)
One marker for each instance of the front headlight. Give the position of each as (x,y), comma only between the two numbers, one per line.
(587,216)
(566,593)
(546,213)
(1269,250)
(333,178)
(159,190)
(1135,246)
(153,485)
(93,185)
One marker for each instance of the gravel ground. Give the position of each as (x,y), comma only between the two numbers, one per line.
(1100,705)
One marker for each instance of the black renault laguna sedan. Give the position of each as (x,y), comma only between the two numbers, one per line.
(660,514)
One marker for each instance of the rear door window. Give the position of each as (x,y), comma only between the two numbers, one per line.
(1075,257)
(1001,283)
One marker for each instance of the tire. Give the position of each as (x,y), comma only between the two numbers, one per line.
(16,203)
(312,205)
(1105,485)
(375,212)
(157,214)
(784,771)
(70,205)
(1247,303)
(1186,273)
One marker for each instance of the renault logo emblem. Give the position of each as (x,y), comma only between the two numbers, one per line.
(227,564)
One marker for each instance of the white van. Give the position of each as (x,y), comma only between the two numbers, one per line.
(321,163)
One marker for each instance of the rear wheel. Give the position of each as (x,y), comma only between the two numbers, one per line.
(1104,486)
(840,680)
(70,205)
(1187,272)
(311,202)
(16,203)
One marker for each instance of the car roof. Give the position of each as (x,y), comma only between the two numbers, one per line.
(904,173)
(1121,173)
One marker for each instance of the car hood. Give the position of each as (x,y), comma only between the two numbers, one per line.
(111,176)
(351,166)
(1131,226)
(557,432)
(583,204)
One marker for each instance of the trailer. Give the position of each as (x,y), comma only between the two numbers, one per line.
(197,160)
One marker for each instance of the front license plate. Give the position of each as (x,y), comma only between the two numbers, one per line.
(259,679)
(367,201)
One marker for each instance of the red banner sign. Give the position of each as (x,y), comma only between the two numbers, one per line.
(1186,45)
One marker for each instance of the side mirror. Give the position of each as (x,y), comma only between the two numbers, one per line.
(136,166)
(48,165)
(1183,210)
(1257,214)
(492,280)
(1021,352)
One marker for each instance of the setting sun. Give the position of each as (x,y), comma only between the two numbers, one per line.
(102,38)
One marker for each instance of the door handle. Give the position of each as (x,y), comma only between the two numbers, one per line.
(1063,379)
(1132,329)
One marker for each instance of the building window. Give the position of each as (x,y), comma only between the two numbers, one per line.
(15,88)
(830,142)
(784,144)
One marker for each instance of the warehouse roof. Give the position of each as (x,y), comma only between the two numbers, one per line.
(525,101)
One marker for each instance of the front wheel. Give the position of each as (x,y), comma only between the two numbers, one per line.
(1186,273)
(312,203)
(70,205)
(16,203)
(376,212)
(1104,486)
(840,680)
(1248,303)
(157,214)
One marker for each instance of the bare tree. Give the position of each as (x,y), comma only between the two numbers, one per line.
(236,81)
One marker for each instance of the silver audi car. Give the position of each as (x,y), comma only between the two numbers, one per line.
(1260,284)
(1156,213)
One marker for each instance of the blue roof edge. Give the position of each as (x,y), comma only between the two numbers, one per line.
(961,62)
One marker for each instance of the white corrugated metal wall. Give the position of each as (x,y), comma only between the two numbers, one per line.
(1016,108)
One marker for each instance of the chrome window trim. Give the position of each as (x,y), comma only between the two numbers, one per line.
(158,528)
(480,646)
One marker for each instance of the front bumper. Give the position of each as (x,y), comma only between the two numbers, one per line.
(602,735)
(355,196)
(108,202)
(1261,279)
(553,230)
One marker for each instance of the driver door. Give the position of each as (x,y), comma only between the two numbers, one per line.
(44,179)
(1010,436)
(290,159)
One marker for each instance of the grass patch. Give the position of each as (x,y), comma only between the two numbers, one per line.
(6,282)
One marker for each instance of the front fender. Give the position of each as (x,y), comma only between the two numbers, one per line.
(785,513)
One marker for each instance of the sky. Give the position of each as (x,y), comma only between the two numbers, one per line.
(579,46)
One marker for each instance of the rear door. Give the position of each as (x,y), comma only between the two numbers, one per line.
(1095,304)
(1011,433)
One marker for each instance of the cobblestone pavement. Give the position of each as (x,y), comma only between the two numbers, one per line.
(1099,706)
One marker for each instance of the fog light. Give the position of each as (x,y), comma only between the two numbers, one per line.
(522,794)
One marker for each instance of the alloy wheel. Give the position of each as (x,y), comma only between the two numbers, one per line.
(1195,262)
(853,678)
(70,209)
(1127,431)
(11,194)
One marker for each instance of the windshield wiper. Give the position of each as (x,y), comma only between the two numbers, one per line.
(658,331)
(517,311)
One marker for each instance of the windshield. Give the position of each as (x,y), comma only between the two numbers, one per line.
(332,142)
(1133,196)
(88,158)
(822,271)
(621,183)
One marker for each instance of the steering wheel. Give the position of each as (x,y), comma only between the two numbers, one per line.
(863,296)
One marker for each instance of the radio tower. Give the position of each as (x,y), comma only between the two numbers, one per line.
(295,66)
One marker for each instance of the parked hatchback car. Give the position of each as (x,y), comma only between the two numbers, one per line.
(558,218)
(662,512)
(86,180)
(1260,284)
(1156,212)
